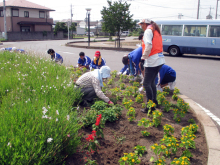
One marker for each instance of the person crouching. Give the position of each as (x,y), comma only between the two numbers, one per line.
(91,83)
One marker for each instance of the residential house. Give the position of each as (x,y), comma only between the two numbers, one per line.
(26,20)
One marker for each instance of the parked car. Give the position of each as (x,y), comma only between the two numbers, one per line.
(91,34)
(125,33)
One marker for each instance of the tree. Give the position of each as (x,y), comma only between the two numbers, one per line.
(116,18)
(73,27)
(60,26)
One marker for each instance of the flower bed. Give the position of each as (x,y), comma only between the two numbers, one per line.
(165,135)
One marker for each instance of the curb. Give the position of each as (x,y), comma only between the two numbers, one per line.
(211,132)
(97,47)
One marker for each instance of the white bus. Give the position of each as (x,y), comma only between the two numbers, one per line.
(190,36)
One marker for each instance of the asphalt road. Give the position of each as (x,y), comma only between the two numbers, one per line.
(198,77)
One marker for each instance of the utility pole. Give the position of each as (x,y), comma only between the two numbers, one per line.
(5,27)
(71,32)
(180,15)
(216,10)
(198,9)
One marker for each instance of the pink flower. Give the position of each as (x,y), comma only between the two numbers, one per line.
(68,135)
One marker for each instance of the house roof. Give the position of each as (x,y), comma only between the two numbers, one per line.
(24,4)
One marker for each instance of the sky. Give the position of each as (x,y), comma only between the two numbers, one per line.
(154,9)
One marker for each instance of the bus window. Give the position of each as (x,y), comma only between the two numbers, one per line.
(172,30)
(214,31)
(195,30)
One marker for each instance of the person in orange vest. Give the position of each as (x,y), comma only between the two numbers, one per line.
(152,57)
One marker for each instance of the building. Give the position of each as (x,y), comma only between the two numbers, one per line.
(26,20)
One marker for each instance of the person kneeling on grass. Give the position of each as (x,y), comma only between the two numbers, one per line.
(55,56)
(91,83)
(166,76)
(83,61)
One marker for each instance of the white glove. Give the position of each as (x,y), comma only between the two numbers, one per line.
(119,73)
(125,72)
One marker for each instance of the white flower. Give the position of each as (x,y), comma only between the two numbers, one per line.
(56,119)
(9,144)
(44,110)
(57,77)
(78,108)
(57,112)
(68,117)
(44,116)
(49,140)
(50,118)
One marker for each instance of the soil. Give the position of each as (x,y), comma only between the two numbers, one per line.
(122,136)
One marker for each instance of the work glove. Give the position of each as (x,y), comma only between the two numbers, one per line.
(110,102)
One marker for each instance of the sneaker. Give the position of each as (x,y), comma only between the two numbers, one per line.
(172,85)
(159,88)
(140,89)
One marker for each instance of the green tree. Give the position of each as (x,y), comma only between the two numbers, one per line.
(60,26)
(73,27)
(116,18)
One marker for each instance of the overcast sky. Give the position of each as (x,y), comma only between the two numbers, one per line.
(154,9)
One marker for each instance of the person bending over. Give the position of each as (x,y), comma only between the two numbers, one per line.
(91,83)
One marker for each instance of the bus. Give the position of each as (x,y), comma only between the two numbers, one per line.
(190,36)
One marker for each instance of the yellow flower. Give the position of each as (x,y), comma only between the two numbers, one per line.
(132,160)
(160,160)
(153,147)
(125,153)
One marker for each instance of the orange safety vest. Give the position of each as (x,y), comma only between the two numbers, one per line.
(143,46)
(157,44)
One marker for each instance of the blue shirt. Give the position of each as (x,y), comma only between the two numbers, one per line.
(57,58)
(96,66)
(135,57)
(8,49)
(165,69)
(85,61)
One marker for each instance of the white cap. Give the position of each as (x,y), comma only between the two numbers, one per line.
(2,49)
(146,20)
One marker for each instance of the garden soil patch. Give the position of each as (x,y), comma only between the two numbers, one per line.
(122,136)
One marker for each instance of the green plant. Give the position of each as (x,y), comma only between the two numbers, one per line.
(160,98)
(89,118)
(120,139)
(99,105)
(160,161)
(150,105)
(176,91)
(130,159)
(98,126)
(166,105)
(92,146)
(166,89)
(183,160)
(192,121)
(136,84)
(139,98)
(171,144)
(122,86)
(91,162)
(128,104)
(84,70)
(38,123)
(114,73)
(157,116)
(116,92)
(143,105)
(174,97)
(145,133)
(131,114)
(191,129)
(145,122)
(168,130)
(140,150)
(110,81)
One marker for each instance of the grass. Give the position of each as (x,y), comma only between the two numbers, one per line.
(38,123)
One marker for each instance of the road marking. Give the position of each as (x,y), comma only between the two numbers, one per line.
(215,118)
(68,53)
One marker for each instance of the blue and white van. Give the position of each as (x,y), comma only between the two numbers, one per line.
(190,36)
